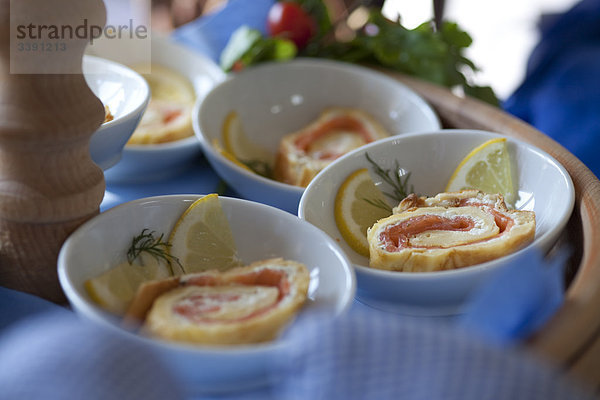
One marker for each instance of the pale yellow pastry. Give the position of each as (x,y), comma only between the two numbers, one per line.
(448,231)
(168,116)
(244,305)
(302,154)
(453,199)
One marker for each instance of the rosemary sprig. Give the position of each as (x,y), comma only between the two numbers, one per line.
(146,242)
(397,178)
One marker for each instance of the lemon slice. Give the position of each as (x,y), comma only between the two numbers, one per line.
(114,289)
(237,143)
(487,168)
(202,238)
(228,155)
(354,211)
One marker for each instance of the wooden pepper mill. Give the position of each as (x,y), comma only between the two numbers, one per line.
(49,185)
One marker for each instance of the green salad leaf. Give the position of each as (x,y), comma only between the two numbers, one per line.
(247,46)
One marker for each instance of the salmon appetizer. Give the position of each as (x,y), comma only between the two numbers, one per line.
(168,116)
(243,305)
(448,231)
(302,154)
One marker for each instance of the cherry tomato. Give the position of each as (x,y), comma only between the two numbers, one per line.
(287,19)
(237,66)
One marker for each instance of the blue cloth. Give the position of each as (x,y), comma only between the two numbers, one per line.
(372,355)
(198,178)
(367,355)
(55,356)
(210,34)
(560,94)
(15,306)
(517,300)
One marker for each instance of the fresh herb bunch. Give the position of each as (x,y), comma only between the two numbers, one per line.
(155,246)
(433,55)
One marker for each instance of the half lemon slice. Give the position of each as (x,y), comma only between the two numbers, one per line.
(202,238)
(236,142)
(487,168)
(114,289)
(358,205)
(229,155)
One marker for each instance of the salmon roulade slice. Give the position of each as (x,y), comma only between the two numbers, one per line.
(448,231)
(168,116)
(244,305)
(302,154)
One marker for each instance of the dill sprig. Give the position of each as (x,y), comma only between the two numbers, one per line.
(155,246)
(397,178)
(379,204)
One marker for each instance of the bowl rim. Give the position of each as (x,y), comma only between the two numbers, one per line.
(159,147)
(122,70)
(471,270)
(97,314)
(299,61)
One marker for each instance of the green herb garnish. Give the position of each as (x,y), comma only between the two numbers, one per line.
(155,246)
(379,204)
(260,167)
(397,178)
(247,46)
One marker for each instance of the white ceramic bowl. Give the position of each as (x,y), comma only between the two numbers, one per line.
(544,186)
(157,161)
(279,98)
(126,94)
(102,242)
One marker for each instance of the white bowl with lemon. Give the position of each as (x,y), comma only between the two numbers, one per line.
(100,283)
(428,164)
(163,144)
(243,120)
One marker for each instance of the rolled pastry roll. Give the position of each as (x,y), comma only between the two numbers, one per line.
(163,122)
(168,116)
(467,197)
(448,231)
(244,305)
(304,153)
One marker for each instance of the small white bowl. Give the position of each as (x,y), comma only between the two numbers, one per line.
(126,94)
(153,162)
(543,184)
(275,99)
(259,231)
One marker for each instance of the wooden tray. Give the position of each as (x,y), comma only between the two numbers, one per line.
(572,338)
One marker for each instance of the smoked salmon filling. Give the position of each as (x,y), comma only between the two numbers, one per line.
(448,231)
(244,305)
(337,131)
(163,122)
